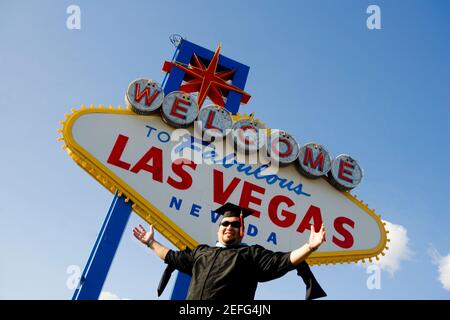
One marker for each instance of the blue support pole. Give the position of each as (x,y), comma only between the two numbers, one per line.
(105,247)
(181,286)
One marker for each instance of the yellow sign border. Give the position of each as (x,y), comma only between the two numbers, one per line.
(167,227)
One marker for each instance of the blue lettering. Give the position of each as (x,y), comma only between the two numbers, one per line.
(272,238)
(252,230)
(260,169)
(195,209)
(209,154)
(163,133)
(229,161)
(214,216)
(190,142)
(298,190)
(175,202)
(245,169)
(288,185)
(271,179)
(150,130)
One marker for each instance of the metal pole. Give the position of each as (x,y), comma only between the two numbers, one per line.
(105,247)
(181,286)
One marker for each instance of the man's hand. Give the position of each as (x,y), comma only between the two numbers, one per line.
(148,239)
(144,236)
(316,238)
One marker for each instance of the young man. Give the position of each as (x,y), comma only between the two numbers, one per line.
(231,270)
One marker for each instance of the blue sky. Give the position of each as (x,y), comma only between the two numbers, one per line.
(316,71)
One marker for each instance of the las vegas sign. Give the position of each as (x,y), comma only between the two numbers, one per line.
(178,161)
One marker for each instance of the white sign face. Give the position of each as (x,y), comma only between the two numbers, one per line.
(141,157)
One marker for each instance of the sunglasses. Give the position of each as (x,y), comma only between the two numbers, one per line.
(234,224)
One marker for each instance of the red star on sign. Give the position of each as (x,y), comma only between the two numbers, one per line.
(206,80)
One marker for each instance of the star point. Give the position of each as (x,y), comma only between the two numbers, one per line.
(206,80)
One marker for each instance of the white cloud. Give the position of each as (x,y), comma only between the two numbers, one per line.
(106,295)
(443,264)
(398,251)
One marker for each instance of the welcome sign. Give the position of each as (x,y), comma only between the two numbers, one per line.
(176,179)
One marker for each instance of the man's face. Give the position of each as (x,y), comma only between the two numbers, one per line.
(229,235)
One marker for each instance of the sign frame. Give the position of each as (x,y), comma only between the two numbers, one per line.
(163,224)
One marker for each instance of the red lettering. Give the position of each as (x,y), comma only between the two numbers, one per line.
(247,198)
(314,214)
(209,122)
(116,153)
(277,150)
(146,92)
(246,139)
(220,195)
(186,179)
(342,170)
(289,217)
(156,169)
(339,227)
(308,158)
(177,107)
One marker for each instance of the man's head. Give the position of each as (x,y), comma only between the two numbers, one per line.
(231,229)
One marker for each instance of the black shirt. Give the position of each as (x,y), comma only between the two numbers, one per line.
(228,273)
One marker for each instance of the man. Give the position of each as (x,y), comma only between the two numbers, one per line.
(231,270)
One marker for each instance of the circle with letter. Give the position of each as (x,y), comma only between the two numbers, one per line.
(314,160)
(215,122)
(246,135)
(345,173)
(144,96)
(179,109)
(282,147)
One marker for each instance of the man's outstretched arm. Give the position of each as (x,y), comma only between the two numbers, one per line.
(315,240)
(148,239)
